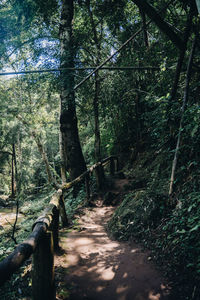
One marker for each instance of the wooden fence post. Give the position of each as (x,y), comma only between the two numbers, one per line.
(117,164)
(112,166)
(55,229)
(100,177)
(63,214)
(87,186)
(43,269)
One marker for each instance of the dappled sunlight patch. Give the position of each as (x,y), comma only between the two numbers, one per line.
(101,268)
(106,273)
(92,269)
(121,289)
(125,275)
(83,241)
(100,288)
(154,296)
(72,259)
(111,245)
(134,250)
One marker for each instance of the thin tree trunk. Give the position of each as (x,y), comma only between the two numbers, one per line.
(41,150)
(152,13)
(12,178)
(97,143)
(145,34)
(185,100)
(68,120)
(44,156)
(99,172)
(17,191)
(181,58)
(63,167)
(138,129)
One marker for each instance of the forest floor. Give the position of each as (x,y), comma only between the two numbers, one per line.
(93,266)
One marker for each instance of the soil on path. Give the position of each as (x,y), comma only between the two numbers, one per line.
(94,267)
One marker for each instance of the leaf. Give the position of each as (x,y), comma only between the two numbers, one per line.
(181,231)
(195,228)
(194,130)
(190,208)
(189,265)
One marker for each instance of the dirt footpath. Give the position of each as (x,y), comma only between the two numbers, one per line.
(94,267)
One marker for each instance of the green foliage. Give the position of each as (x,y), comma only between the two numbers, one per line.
(36,102)
(139,212)
(73,203)
(172,233)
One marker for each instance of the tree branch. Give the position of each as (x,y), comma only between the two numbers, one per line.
(156,18)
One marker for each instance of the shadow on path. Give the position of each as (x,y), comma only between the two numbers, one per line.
(95,267)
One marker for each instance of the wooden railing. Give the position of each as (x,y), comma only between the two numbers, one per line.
(44,239)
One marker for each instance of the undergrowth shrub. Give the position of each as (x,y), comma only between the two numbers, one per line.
(72,203)
(139,212)
(177,242)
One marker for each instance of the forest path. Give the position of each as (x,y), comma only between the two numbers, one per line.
(95,267)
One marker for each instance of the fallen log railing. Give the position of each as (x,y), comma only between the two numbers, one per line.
(44,239)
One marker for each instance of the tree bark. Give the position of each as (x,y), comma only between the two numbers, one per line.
(43,287)
(97,142)
(181,57)
(13,178)
(99,172)
(145,34)
(62,158)
(68,120)
(15,190)
(63,213)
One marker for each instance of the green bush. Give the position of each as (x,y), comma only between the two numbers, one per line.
(139,212)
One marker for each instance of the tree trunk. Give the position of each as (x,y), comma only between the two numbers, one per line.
(44,157)
(68,120)
(13,172)
(96,39)
(138,120)
(99,172)
(12,179)
(181,57)
(97,142)
(16,189)
(62,158)
(145,34)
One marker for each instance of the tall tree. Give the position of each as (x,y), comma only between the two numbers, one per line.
(96,39)
(68,119)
